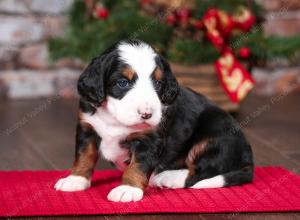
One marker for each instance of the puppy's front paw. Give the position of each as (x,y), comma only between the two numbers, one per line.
(125,193)
(72,183)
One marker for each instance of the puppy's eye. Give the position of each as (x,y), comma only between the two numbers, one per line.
(123,83)
(157,84)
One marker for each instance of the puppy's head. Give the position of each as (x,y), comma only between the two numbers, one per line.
(133,81)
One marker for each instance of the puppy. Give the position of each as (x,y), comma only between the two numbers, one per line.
(134,112)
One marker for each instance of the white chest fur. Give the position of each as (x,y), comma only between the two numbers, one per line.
(111,133)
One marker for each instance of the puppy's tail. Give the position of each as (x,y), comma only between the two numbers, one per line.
(233,178)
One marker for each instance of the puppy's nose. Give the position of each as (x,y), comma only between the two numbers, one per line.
(145,113)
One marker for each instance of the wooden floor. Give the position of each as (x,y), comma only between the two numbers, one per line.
(39,135)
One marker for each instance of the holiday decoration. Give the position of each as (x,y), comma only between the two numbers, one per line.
(102,13)
(245,52)
(171,19)
(187,32)
(235,79)
(183,15)
(99,10)
(145,2)
(198,24)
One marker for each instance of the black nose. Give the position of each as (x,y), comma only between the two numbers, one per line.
(146,115)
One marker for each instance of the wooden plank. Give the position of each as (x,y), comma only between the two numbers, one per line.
(199,75)
(190,81)
(203,70)
(207,90)
(207,69)
(217,95)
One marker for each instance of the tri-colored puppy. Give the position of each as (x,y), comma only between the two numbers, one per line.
(134,112)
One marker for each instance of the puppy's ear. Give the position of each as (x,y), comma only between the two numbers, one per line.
(171,87)
(91,83)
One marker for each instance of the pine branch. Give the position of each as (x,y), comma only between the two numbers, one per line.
(87,36)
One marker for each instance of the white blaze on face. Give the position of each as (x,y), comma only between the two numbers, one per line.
(142,97)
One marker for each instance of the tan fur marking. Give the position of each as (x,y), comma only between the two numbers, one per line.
(85,162)
(157,74)
(196,152)
(134,176)
(128,73)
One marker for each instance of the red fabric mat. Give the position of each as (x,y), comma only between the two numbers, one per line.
(31,193)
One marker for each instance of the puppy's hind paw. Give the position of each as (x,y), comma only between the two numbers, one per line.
(170,179)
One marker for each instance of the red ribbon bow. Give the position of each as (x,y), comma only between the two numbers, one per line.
(235,79)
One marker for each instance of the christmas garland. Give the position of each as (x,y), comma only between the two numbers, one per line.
(187,32)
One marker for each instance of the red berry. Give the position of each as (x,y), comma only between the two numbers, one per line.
(171,20)
(183,13)
(245,52)
(102,13)
(198,24)
(218,41)
(145,2)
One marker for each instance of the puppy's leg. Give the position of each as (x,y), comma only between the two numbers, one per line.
(145,150)
(221,163)
(178,178)
(134,181)
(175,179)
(85,161)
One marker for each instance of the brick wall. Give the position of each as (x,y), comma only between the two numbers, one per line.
(25,26)
(282,17)
(25,67)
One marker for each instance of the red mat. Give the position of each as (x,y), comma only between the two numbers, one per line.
(31,193)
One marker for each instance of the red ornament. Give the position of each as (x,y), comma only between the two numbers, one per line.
(183,15)
(171,20)
(245,52)
(145,2)
(198,24)
(102,13)
(216,40)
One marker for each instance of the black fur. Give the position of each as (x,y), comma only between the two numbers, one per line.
(170,85)
(92,82)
